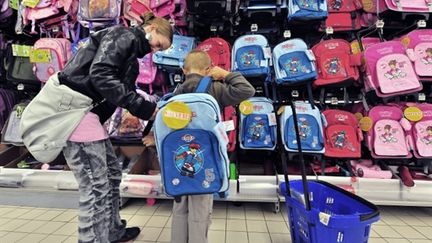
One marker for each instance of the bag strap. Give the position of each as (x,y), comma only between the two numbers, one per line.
(204,85)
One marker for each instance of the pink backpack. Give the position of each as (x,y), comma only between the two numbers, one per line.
(133,9)
(388,137)
(97,13)
(175,9)
(390,71)
(419,6)
(47,8)
(419,49)
(149,74)
(342,135)
(370,10)
(60,52)
(219,51)
(421,132)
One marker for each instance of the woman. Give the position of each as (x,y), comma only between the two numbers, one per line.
(105,70)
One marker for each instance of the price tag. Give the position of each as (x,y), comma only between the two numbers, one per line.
(413,114)
(30,3)
(334,101)
(329,30)
(365,123)
(40,56)
(272,119)
(219,129)
(379,24)
(287,34)
(229,125)
(20,50)
(280,110)
(422,97)
(14,4)
(176,115)
(246,107)
(324,218)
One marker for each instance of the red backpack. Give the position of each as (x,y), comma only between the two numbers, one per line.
(342,135)
(336,65)
(219,51)
(344,15)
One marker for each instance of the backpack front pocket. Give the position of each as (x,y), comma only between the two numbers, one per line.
(257,132)
(309,131)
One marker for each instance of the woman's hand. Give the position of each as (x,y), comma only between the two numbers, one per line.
(149,140)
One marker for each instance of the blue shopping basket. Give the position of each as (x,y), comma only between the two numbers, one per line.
(336,216)
(319,212)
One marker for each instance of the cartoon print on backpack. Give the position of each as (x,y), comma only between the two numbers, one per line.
(333,66)
(395,71)
(257,131)
(310,4)
(294,66)
(340,140)
(428,58)
(249,58)
(336,4)
(428,138)
(387,136)
(188,158)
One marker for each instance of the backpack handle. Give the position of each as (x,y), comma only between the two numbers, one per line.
(203,85)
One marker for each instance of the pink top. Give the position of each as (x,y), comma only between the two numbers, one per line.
(89,130)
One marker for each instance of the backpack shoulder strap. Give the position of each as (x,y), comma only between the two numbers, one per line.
(204,85)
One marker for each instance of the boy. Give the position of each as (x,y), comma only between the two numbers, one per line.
(192,215)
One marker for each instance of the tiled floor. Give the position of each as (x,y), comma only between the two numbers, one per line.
(250,222)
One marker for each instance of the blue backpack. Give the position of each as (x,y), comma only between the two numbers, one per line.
(193,159)
(251,56)
(310,123)
(175,55)
(258,130)
(307,10)
(293,62)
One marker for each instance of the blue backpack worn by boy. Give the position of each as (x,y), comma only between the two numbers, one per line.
(251,56)
(258,129)
(307,10)
(310,123)
(194,158)
(293,62)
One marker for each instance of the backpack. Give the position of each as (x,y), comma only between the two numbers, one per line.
(172,59)
(421,132)
(96,13)
(307,10)
(19,69)
(258,130)
(388,136)
(336,65)
(147,71)
(342,135)
(212,8)
(59,50)
(193,159)
(219,51)
(6,14)
(293,62)
(47,9)
(390,71)
(10,133)
(423,6)
(418,44)
(174,9)
(230,116)
(8,99)
(133,9)
(251,56)
(343,15)
(310,127)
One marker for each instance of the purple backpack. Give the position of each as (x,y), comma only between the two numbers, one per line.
(149,74)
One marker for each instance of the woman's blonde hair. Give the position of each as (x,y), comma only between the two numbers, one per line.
(163,26)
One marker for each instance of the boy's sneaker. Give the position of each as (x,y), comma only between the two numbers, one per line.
(130,234)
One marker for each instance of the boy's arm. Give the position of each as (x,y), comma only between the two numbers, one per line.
(234,90)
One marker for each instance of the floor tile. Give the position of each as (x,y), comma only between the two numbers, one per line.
(236,237)
(15,213)
(237,213)
(216,236)
(270,216)
(49,227)
(254,215)
(33,214)
(138,220)
(277,227)
(3,233)
(412,221)
(126,217)
(146,210)
(165,235)
(219,213)
(377,240)
(426,231)
(13,224)
(12,237)
(386,231)
(256,226)
(33,238)
(71,239)
(67,229)
(255,237)
(157,221)
(49,215)
(398,241)
(131,209)
(408,232)
(391,220)
(4,221)
(280,238)
(373,234)
(55,238)
(30,226)
(65,216)
(168,223)
(163,210)
(236,225)
(218,224)
(149,234)
(417,241)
